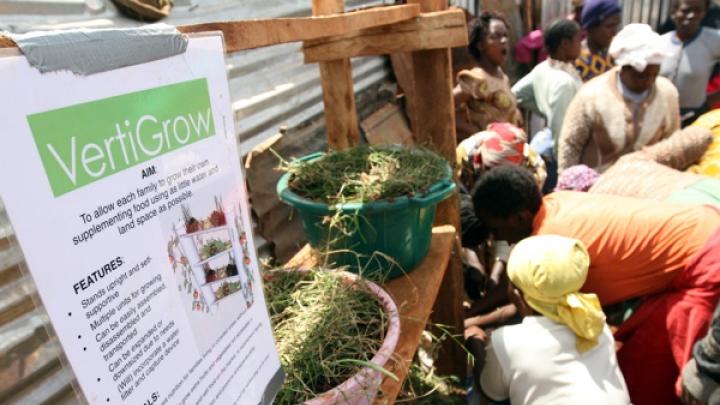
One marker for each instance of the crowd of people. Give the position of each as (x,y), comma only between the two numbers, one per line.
(591,249)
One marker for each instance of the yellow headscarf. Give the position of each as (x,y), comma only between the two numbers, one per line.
(709,164)
(550,270)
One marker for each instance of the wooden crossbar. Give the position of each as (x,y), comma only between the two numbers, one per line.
(442,29)
(250,34)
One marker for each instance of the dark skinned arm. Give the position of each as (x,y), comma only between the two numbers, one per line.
(496,292)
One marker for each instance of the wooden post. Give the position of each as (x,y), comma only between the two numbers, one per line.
(404,75)
(529,22)
(338,96)
(435,115)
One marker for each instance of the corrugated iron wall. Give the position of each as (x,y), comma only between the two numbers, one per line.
(651,12)
(473,6)
(270,88)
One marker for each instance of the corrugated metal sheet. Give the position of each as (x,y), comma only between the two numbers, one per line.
(472,6)
(651,12)
(270,88)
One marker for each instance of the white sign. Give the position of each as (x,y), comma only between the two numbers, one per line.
(129,203)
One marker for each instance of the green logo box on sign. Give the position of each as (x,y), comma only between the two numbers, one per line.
(86,142)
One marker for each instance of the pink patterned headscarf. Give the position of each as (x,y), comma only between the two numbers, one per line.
(501,143)
(577,178)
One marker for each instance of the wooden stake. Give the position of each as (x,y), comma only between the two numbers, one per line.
(402,64)
(6,42)
(338,96)
(436,127)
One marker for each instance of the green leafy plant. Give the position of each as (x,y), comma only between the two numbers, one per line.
(213,247)
(423,385)
(226,289)
(365,173)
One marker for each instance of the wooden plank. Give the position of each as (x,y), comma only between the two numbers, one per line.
(339,101)
(338,96)
(448,310)
(6,42)
(430,5)
(320,7)
(305,258)
(405,75)
(387,126)
(432,71)
(249,34)
(443,29)
(528,21)
(435,115)
(414,296)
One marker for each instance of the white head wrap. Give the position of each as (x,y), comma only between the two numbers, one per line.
(637,45)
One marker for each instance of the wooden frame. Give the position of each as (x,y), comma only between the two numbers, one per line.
(433,126)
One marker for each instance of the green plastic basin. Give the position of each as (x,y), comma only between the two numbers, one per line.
(389,238)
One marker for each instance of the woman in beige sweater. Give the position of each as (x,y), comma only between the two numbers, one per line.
(624,109)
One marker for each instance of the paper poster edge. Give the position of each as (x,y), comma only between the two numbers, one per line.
(203,34)
(273,387)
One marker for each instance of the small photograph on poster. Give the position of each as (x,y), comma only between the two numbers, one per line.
(208,253)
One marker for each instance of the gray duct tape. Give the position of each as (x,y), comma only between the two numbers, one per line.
(86,51)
